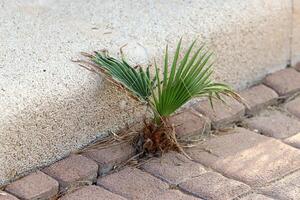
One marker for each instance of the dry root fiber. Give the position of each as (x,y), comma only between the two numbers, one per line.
(155,140)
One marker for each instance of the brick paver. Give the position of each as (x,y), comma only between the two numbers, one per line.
(254,196)
(248,157)
(258,97)
(173,168)
(109,157)
(221,115)
(190,123)
(34,186)
(73,171)
(174,195)
(274,123)
(133,183)
(92,192)
(285,189)
(213,186)
(294,107)
(293,141)
(284,82)
(6,196)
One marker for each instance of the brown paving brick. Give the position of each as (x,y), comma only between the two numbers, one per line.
(285,189)
(173,168)
(175,195)
(133,183)
(293,141)
(6,196)
(274,123)
(254,196)
(294,107)
(190,123)
(111,156)
(36,185)
(248,157)
(73,171)
(213,186)
(285,82)
(221,115)
(258,97)
(92,192)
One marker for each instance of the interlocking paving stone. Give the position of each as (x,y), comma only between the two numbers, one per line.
(92,192)
(133,183)
(111,156)
(213,186)
(293,141)
(173,168)
(294,107)
(175,195)
(36,185)
(258,97)
(190,123)
(248,157)
(6,196)
(285,189)
(285,82)
(274,123)
(221,115)
(254,196)
(73,171)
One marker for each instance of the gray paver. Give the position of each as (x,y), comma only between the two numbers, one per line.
(175,195)
(111,156)
(6,196)
(258,97)
(73,171)
(173,168)
(133,183)
(213,186)
(274,123)
(254,196)
(286,189)
(248,157)
(92,192)
(294,107)
(190,123)
(293,141)
(36,185)
(285,82)
(221,115)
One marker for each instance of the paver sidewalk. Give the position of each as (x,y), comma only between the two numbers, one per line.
(258,161)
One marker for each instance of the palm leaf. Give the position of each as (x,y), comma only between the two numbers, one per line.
(136,80)
(180,81)
(188,78)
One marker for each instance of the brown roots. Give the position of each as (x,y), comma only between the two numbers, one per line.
(155,140)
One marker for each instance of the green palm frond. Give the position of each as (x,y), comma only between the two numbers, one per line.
(186,79)
(136,80)
(181,80)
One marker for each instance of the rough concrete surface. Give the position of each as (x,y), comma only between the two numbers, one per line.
(49,106)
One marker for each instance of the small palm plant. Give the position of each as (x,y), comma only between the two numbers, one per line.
(164,92)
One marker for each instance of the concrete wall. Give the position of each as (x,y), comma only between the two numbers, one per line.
(49,106)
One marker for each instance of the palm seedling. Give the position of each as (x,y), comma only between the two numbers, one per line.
(182,79)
